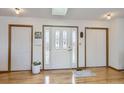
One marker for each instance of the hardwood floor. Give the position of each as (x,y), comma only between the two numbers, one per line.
(103,76)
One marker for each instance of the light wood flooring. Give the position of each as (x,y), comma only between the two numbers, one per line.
(103,76)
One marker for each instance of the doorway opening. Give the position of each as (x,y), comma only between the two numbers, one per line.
(96,47)
(60,47)
(20,47)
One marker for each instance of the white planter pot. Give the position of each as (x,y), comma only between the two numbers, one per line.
(36,69)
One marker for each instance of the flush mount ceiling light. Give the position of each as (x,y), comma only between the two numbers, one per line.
(18,10)
(108,16)
(59,11)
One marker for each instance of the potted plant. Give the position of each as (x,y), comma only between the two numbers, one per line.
(36,67)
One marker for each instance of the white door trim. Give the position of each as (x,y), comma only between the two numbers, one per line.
(43,43)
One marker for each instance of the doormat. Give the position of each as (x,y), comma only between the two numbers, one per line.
(84,73)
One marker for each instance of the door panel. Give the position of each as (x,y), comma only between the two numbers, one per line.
(95,47)
(60,56)
(20,48)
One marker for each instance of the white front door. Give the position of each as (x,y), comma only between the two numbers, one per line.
(60,47)
(95,47)
(20,48)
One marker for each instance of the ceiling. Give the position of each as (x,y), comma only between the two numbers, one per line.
(73,13)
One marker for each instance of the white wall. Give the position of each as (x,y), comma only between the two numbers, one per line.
(113,57)
(117,44)
(37,24)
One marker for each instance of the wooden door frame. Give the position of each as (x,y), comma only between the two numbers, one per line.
(107,43)
(9,42)
(43,43)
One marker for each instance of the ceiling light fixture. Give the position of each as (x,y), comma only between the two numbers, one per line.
(59,11)
(109,16)
(18,10)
